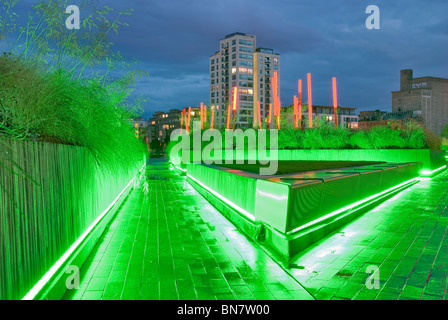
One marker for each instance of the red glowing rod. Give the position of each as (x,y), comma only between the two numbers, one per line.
(270,115)
(259,115)
(310,102)
(300,104)
(188,122)
(181,120)
(228,117)
(254,125)
(202,116)
(278,113)
(296,105)
(235,98)
(335,102)
(276,99)
(235,91)
(274,89)
(213,116)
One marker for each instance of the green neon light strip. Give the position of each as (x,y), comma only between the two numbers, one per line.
(430,173)
(357,205)
(247,214)
(50,273)
(181,169)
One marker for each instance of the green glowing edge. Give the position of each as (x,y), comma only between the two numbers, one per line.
(351,208)
(179,168)
(50,273)
(428,173)
(357,205)
(245,213)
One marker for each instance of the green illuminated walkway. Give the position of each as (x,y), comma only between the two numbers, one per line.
(406,237)
(170,243)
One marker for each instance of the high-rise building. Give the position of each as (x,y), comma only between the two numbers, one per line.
(239,63)
(425,96)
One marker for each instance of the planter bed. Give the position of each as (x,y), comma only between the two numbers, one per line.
(431,159)
(293,210)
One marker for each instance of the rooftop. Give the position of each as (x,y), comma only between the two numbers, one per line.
(238,34)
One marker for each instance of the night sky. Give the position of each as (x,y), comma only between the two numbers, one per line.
(173,39)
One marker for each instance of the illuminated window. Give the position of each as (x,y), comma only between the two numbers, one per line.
(234,70)
(246,70)
(246,91)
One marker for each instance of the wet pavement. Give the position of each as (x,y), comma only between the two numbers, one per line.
(168,242)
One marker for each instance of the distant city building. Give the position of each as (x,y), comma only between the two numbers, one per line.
(347,117)
(140,125)
(377,118)
(239,63)
(162,124)
(426,96)
(371,115)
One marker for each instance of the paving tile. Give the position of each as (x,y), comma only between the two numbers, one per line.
(92,295)
(170,243)
(405,236)
(173,236)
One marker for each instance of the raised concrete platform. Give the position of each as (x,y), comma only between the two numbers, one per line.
(292,211)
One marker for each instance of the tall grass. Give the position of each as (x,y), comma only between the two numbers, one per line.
(45,94)
(325,136)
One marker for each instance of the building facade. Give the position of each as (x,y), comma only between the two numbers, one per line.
(370,119)
(162,124)
(239,63)
(427,96)
(347,117)
(140,126)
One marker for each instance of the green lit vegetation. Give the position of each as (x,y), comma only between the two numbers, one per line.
(64,124)
(325,136)
(56,84)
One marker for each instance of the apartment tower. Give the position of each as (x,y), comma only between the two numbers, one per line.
(239,63)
